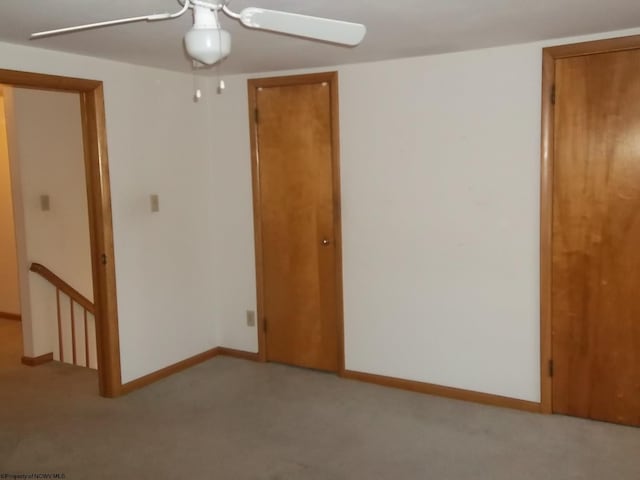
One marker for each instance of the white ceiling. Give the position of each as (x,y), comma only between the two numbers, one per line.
(396,28)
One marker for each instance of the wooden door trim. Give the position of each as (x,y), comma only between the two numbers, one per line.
(252,85)
(94,136)
(549,57)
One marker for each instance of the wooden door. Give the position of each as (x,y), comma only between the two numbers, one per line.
(596,237)
(297,219)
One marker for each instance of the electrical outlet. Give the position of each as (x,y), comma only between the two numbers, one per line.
(251,318)
(155,203)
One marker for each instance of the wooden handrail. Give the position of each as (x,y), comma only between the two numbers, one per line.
(63,286)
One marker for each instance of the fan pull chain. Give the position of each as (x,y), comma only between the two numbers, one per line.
(221,85)
(197,91)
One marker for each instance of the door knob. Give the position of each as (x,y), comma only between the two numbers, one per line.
(325,242)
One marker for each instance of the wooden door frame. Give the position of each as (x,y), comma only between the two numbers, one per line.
(94,137)
(252,85)
(549,57)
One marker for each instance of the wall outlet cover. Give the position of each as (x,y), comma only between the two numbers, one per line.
(45,203)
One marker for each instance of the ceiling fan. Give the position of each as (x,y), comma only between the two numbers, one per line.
(207,43)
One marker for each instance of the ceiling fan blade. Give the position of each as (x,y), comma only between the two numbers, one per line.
(324,29)
(147,18)
(98,24)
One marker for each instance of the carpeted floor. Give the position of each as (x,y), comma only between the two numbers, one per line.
(234,419)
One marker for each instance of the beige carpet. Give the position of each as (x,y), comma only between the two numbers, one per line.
(233,419)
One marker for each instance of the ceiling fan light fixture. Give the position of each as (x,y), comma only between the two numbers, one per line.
(207,45)
(206,42)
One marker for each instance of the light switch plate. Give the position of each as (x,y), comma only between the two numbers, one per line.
(251,318)
(45,203)
(155,203)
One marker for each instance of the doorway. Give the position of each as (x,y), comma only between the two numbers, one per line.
(99,205)
(590,231)
(296,192)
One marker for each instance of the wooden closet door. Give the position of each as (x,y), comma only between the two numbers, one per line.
(294,151)
(596,238)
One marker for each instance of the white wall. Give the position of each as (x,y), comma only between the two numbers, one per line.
(440,197)
(50,153)
(441,219)
(9,287)
(234,224)
(159,142)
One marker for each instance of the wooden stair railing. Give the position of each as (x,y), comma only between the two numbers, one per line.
(74,297)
